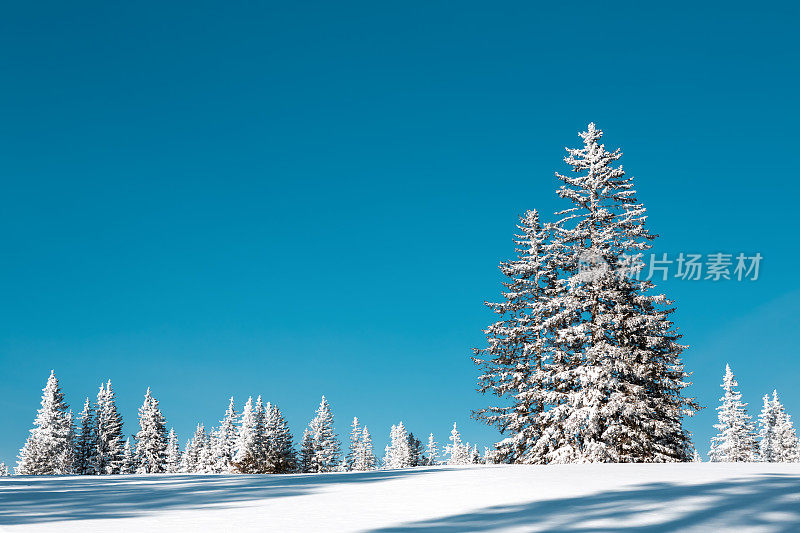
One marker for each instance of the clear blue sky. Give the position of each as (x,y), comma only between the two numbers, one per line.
(291,199)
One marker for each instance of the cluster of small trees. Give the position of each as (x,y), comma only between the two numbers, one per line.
(405,451)
(257,441)
(584,358)
(738,440)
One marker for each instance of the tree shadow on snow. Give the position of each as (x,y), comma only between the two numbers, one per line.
(29,499)
(766,502)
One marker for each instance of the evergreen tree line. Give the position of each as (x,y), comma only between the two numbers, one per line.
(583,358)
(738,439)
(255,441)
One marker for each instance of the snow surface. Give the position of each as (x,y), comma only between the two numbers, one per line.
(589,497)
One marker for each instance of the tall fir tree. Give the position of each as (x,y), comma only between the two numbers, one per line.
(355,444)
(207,461)
(110,444)
(365,456)
(281,456)
(49,450)
(225,440)
(151,440)
(398,454)
(789,443)
(432,451)
(458,451)
(735,440)
(512,363)
(86,442)
(251,455)
(307,451)
(190,460)
(173,464)
(776,431)
(582,340)
(322,453)
(416,451)
(247,443)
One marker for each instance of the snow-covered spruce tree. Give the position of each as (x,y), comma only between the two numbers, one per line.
(4,470)
(355,443)
(49,449)
(207,462)
(190,460)
(735,440)
(398,454)
(770,444)
(778,439)
(512,363)
(789,443)
(109,432)
(474,455)
(281,456)
(86,442)
(323,450)
(173,453)
(416,451)
(248,439)
(307,451)
(489,456)
(615,376)
(151,440)
(365,457)
(225,440)
(432,451)
(459,453)
(128,463)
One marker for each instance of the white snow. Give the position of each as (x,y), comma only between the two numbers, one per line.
(588,497)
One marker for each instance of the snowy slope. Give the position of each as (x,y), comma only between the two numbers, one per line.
(598,497)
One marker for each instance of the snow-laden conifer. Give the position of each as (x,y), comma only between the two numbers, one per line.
(86,442)
(611,376)
(173,453)
(432,451)
(247,444)
(225,439)
(364,458)
(128,463)
(735,440)
(49,450)
(474,455)
(109,432)
(321,449)
(512,363)
(416,451)
(355,443)
(4,470)
(789,443)
(307,451)
(190,460)
(151,440)
(458,452)
(398,454)
(280,455)
(778,438)
(207,461)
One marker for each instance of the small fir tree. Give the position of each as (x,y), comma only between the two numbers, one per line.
(151,440)
(735,440)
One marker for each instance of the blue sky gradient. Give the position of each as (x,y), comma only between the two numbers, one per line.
(292,199)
